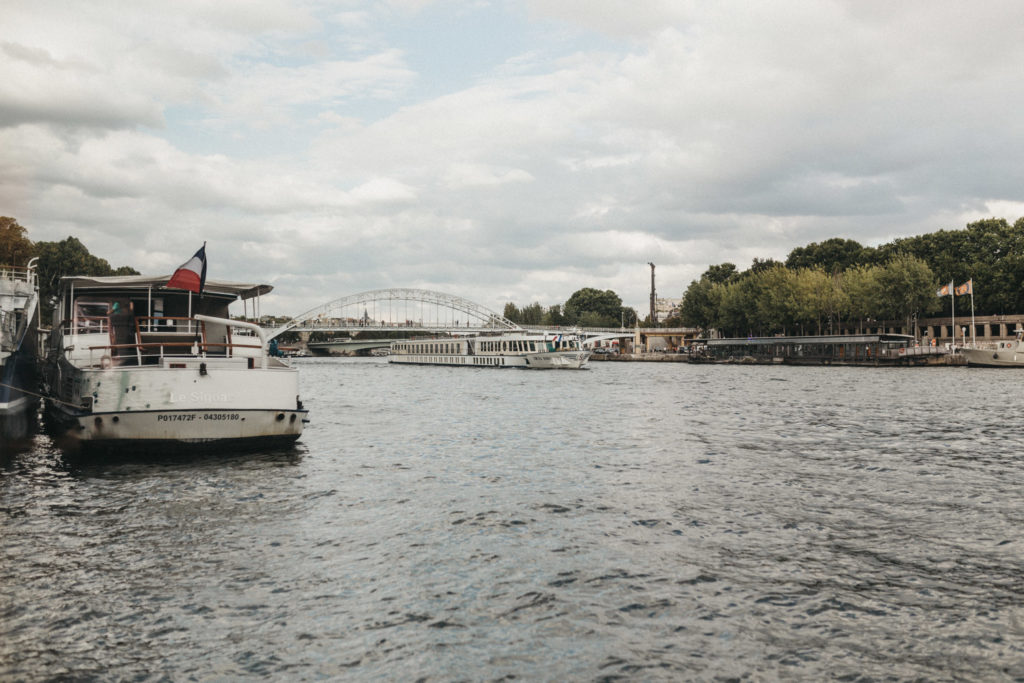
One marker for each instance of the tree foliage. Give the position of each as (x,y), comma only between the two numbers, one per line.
(840,280)
(587,307)
(775,299)
(15,247)
(833,255)
(56,259)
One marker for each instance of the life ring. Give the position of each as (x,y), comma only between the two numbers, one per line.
(105,362)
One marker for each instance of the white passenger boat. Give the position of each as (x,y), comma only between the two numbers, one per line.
(133,364)
(507,350)
(19,397)
(1004,354)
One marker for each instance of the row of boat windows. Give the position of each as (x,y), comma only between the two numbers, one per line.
(513,346)
(507,346)
(450,347)
(441,360)
(516,345)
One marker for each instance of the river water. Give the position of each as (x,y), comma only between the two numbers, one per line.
(646,521)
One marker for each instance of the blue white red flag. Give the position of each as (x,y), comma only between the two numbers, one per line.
(191,274)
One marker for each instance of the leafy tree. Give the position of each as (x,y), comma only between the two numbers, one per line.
(15,247)
(832,256)
(532,314)
(512,313)
(907,287)
(762,264)
(733,309)
(555,317)
(605,306)
(700,303)
(863,290)
(721,274)
(68,257)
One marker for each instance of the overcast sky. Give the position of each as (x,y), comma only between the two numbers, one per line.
(502,150)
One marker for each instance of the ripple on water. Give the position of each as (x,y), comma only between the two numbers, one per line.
(650,521)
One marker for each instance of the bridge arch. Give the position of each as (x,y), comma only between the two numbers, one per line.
(396,309)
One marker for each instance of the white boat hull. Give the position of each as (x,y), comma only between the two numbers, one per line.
(207,401)
(521,349)
(560,360)
(222,428)
(1009,356)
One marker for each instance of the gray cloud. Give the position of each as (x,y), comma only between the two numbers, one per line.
(683,133)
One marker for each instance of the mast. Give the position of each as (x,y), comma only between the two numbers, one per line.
(654,319)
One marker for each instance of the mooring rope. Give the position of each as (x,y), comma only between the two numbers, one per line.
(32,393)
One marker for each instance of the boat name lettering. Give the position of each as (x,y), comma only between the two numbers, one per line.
(196,396)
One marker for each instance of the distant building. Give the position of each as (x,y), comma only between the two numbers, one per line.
(666,308)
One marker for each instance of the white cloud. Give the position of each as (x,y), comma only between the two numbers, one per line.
(296,139)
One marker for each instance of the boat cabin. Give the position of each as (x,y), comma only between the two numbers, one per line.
(135,320)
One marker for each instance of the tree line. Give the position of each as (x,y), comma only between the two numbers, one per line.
(839,280)
(587,307)
(56,259)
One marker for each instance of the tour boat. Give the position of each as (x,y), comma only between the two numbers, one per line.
(537,351)
(133,364)
(19,397)
(1004,354)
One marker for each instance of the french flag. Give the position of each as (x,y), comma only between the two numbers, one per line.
(191,274)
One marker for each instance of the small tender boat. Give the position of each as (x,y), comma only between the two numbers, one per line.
(19,398)
(537,351)
(133,364)
(1004,354)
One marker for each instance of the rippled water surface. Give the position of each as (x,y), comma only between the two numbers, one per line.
(636,520)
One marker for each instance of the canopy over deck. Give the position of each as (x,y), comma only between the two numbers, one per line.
(237,289)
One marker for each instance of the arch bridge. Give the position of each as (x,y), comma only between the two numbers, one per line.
(398,310)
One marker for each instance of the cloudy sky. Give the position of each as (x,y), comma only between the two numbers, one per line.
(502,150)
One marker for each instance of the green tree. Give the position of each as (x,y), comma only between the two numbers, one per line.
(15,247)
(532,314)
(907,286)
(512,313)
(721,274)
(699,307)
(554,316)
(832,256)
(68,257)
(606,307)
(734,306)
(863,291)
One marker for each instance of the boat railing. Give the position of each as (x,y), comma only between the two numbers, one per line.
(25,274)
(167,325)
(89,324)
(151,353)
(159,337)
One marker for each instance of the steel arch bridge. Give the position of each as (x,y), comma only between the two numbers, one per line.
(391,310)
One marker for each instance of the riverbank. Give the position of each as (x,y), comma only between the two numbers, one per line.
(652,357)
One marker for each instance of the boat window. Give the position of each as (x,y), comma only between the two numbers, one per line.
(92,316)
(533,346)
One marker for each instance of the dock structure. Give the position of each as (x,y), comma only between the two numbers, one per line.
(856,349)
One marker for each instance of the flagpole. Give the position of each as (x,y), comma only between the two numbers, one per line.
(952,298)
(970,285)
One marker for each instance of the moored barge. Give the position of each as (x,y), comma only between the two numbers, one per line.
(133,364)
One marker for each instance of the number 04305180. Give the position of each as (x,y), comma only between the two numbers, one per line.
(222,416)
